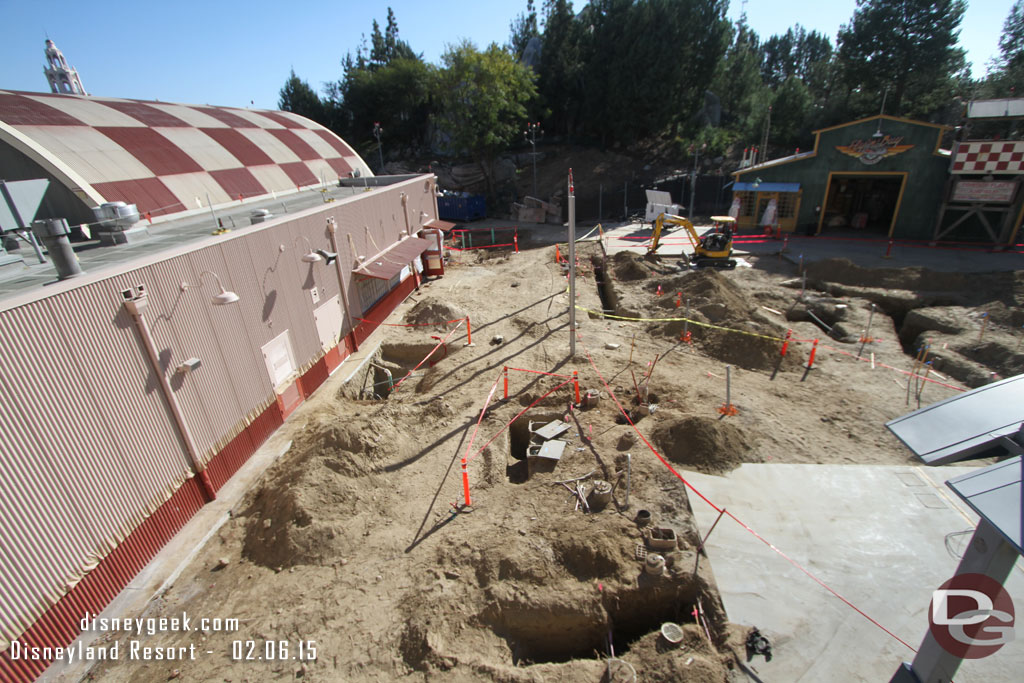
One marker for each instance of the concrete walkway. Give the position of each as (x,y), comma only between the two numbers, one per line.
(877,535)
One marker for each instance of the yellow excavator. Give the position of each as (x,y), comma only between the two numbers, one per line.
(713,249)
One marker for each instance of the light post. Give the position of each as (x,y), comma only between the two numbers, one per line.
(693,176)
(530,135)
(377,132)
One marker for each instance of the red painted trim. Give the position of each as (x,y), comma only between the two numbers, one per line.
(382,309)
(314,377)
(290,399)
(59,625)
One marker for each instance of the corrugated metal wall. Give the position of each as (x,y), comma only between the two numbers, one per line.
(89,449)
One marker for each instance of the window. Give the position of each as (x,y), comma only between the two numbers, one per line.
(787,204)
(746,203)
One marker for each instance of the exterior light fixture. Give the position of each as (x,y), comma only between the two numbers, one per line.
(328,256)
(221,298)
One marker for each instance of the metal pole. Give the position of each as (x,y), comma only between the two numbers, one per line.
(629,472)
(728,386)
(572,268)
(533,145)
(216,223)
(19,222)
(135,310)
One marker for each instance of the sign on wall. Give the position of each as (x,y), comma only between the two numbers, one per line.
(874,149)
(979,191)
(988,157)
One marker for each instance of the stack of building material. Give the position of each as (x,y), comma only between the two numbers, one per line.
(534,210)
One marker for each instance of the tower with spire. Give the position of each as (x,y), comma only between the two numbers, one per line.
(63,79)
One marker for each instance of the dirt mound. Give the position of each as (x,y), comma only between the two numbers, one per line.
(431,311)
(629,267)
(297,514)
(704,444)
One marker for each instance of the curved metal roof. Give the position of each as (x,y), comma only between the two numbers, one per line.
(168,158)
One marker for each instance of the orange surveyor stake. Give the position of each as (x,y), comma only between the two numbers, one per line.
(576,385)
(506,381)
(465,483)
(814,350)
(558,254)
(679,299)
(469,333)
(785,344)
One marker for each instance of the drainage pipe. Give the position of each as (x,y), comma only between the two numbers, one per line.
(135,309)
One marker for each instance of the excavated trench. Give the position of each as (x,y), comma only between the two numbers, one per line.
(556,630)
(393,362)
(520,438)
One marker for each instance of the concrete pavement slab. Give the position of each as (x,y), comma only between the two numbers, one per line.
(877,535)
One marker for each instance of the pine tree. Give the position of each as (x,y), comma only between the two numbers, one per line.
(906,47)
(297,97)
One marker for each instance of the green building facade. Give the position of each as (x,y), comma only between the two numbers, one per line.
(883,176)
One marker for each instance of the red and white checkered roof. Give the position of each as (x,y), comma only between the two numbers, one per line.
(168,158)
(981,158)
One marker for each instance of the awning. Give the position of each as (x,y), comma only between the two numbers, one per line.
(767,187)
(438,223)
(391,262)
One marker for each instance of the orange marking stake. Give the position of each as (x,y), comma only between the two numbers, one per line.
(888,252)
(515,241)
(679,299)
(465,483)
(558,254)
(576,385)
(506,381)
(469,333)
(785,344)
(814,350)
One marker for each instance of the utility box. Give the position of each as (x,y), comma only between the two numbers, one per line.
(659,202)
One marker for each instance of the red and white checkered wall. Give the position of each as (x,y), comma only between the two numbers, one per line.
(168,158)
(998,158)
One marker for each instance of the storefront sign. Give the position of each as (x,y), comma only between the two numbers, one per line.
(979,191)
(874,149)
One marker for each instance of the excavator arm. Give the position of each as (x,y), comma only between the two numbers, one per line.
(712,250)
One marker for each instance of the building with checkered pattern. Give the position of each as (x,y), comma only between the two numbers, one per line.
(168,159)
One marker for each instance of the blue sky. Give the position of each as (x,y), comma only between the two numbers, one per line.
(230,52)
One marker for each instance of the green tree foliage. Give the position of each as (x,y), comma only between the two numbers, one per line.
(796,53)
(522,29)
(647,63)
(907,47)
(297,97)
(739,85)
(1006,73)
(792,106)
(389,85)
(560,81)
(482,99)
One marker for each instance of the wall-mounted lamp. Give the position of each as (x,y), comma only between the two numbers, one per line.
(311,256)
(328,256)
(220,299)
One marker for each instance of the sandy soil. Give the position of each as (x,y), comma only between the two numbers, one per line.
(352,540)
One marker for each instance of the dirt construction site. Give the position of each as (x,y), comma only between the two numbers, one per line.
(580,555)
